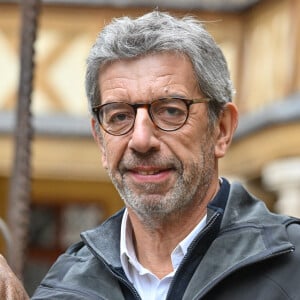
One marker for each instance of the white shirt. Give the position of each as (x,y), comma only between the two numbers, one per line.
(149,286)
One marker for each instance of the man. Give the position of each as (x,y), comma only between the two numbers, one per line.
(160,96)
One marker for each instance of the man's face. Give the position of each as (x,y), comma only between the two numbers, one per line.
(157,173)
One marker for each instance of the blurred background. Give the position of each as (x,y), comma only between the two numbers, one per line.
(70,191)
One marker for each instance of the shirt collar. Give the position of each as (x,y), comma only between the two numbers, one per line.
(127,251)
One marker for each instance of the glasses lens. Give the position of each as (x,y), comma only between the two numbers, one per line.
(116,118)
(169,114)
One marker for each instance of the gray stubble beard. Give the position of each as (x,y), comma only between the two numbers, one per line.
(188,192)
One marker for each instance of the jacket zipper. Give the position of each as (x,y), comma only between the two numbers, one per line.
(191,248)
(127,283)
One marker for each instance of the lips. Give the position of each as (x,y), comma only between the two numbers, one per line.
(146,172)
(143,174)
(151,169)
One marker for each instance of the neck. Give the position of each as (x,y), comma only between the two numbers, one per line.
(154,243)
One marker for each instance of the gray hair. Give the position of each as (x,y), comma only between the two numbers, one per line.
(158,32)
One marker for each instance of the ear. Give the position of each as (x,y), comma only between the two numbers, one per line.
(226,127)
(99,140)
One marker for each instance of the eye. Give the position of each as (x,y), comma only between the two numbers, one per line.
(117,116)
(116,113)
(170,109)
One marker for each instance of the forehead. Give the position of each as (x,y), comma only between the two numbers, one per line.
(154,75)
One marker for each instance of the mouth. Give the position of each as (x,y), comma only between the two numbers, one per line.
(146,174)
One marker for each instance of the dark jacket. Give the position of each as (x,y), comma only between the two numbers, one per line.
(244,252)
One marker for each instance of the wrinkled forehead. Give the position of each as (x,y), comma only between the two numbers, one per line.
(156,75)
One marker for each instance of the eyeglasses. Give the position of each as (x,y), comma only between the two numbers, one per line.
(168,114)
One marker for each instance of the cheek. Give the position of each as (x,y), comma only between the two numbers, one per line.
(114,150)
(190,137)
(193,144)
(181,145)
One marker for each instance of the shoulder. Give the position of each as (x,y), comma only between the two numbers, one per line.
(78,272)
(73,261)
(75,275)
(284,270)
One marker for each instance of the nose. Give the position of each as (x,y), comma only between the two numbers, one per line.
(143,138)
